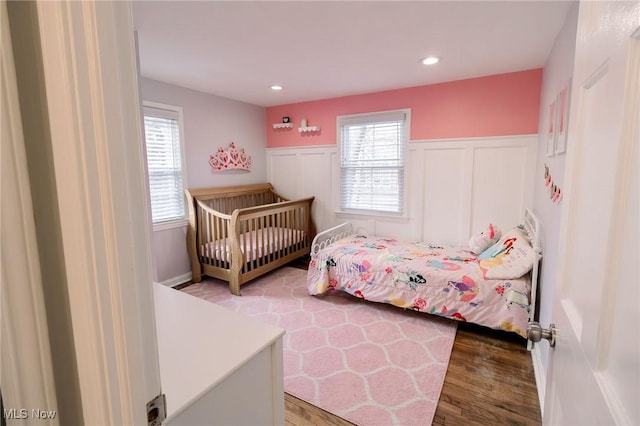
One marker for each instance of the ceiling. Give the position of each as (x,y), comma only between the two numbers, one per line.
(326,49)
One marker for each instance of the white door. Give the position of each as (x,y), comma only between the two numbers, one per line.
(594,368)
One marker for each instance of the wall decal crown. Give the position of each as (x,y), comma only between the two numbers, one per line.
(231,158)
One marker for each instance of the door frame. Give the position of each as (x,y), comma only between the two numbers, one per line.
(26,365)
(91,81)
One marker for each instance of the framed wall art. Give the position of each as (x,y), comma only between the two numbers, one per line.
(562,120)
(551,128)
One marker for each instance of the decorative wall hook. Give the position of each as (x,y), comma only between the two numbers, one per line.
(230,158)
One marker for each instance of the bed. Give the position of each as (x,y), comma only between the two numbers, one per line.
(238,233)
(495,288)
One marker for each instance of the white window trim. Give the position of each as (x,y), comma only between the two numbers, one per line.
(363,214)
(170,224)
(176,223)
(388,217)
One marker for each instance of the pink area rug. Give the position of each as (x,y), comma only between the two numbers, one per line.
(369,363)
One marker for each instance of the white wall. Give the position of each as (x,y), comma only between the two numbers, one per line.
(209,123)
(455,187)
(557,72)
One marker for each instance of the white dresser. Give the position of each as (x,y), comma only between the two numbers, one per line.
(217,366)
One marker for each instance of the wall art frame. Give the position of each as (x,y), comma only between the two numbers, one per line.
(563,100)
(552,127)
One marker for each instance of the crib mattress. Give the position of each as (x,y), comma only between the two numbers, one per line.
(254,244)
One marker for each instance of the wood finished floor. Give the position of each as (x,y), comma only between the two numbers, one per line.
(489,381)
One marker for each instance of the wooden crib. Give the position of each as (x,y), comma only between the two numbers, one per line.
(239,233)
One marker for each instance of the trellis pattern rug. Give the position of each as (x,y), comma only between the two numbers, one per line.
(369,363)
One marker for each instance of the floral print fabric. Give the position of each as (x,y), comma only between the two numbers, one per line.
(435,279)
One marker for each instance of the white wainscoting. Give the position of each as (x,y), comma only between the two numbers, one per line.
(455,187)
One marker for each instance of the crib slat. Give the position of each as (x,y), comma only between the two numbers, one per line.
(252,246)
(259,241)
(300,227)
(207,235)
(202,232)
(269,225)
(262,248)
(279,236)
(249,252)
(224,243)
(290,232)
(302,230)
(247,245)
(198,232)
(253,241)
(295,229)
(214,237)
(217,244)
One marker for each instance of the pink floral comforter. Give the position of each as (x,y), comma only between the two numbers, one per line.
(440,280)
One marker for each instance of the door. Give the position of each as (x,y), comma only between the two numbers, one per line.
(93,116)
(594,368)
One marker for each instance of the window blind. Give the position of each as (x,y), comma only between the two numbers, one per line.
(162,134)
(372,162)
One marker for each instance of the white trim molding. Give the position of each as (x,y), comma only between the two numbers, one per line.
(95,119)
(180,279)
(163,226)
(540,375)
(26,365)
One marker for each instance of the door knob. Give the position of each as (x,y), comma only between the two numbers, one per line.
(535,333)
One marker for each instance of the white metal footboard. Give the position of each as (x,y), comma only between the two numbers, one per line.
(532,226)
(325,238)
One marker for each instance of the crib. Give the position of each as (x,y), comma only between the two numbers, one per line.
(239,233)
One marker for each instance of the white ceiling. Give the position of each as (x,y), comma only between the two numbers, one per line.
(325,49)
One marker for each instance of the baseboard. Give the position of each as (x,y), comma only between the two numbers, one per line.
(540,375)
(180,279)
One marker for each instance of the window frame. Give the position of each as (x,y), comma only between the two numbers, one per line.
(377,116)
(184,220)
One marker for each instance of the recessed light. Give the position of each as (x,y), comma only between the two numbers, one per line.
(276,87)
(430,60)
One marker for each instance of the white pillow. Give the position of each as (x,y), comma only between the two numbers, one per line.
(485,239)
(510,258)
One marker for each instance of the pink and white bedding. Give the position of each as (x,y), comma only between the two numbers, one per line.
(435,279)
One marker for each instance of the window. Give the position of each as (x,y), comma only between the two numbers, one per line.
(163,125)
(372,150)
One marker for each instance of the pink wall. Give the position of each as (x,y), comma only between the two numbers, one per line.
(503,104)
